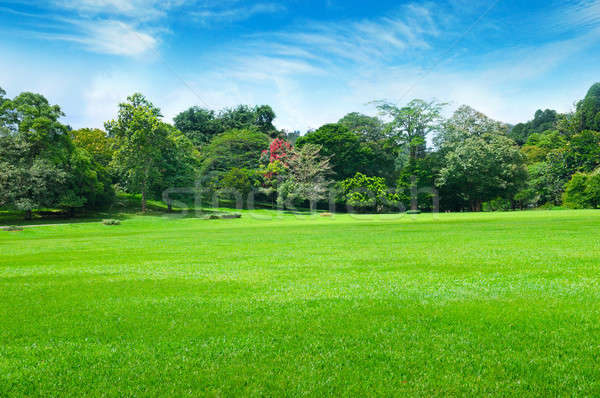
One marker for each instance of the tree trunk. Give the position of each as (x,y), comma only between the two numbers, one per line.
(413,194)
(169,206)
(28,214)
(144,200)
(144,186)
(476,206)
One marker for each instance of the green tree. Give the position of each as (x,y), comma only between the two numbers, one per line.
(368,128)
(140,138)
(178,168)
(252,118)
(41,165)
(27,182)
(234,148)
(583,151)
(199,125)
(480,162)
(575,195)
(348,154)
(587,115)
(96,142)
(411,124)
(238,183)
(542,121)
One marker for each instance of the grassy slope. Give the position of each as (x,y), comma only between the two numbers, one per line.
(463,304)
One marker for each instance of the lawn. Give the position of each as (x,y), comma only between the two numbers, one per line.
(456,304)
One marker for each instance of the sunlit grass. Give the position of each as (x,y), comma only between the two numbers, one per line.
(283,305)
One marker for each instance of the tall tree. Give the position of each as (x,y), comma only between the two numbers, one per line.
(411,124)
(199,125)
(140,140)
(178,166)
(96,142)
(41,167)
(234,148)
(480,161)
(348,154)
(368,128)
(587,115)
(542,121)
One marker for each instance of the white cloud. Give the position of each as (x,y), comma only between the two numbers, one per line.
(138,9)
(108,37)
(364,41)
(576,15)
(314,73)
(210,15)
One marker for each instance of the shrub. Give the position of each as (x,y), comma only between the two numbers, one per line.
(368,193)
(13,228)
(223,216)
(230,216)
(111,221)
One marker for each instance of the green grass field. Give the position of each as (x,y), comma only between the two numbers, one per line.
(457,304)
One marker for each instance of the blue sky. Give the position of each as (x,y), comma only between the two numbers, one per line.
(312,61)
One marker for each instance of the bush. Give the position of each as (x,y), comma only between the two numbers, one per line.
(13,228)
(230,216)
(111,221)
(368,193)
(223,216)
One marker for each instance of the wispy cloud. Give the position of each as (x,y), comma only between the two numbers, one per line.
(316,72)
(210,15)
(568,16)
(340,44)
(107,37)
(138,9)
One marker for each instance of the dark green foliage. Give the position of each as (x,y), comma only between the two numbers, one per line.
(198,124)
(368,128)
(202,125)
(418,178)
(587,116)
(40,164)
(233,149)
(582,152)
(349,155)
(542,121)
(238,183)
(141,140)
(178,168)
(480,162)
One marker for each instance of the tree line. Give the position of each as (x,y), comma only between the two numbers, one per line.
(409,156)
